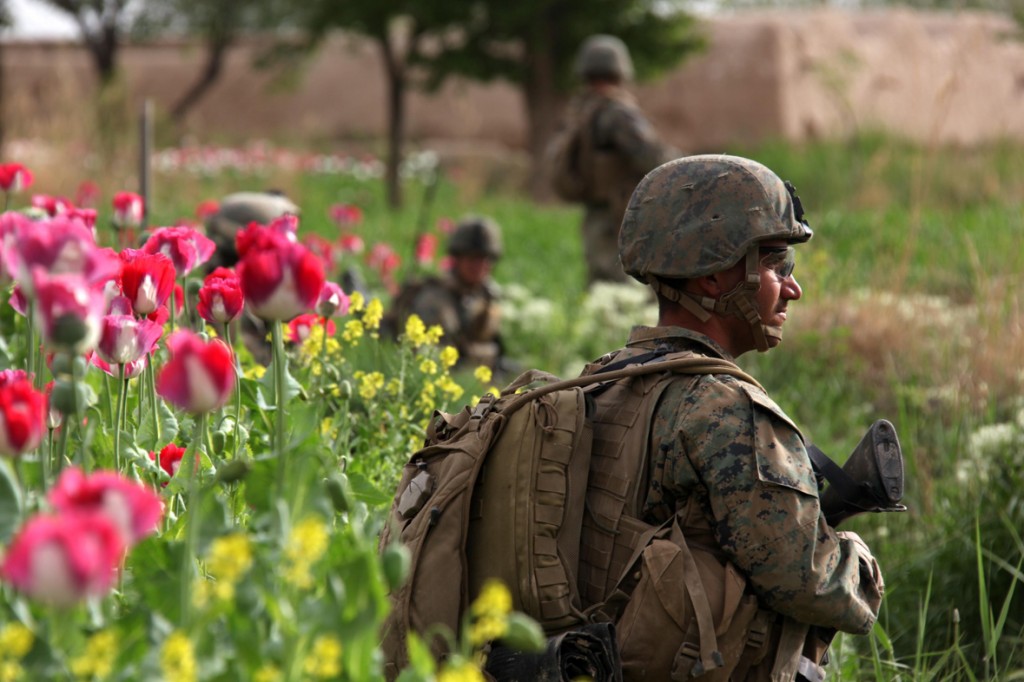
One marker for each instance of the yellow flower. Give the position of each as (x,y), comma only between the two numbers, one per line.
(255,371)
(416,331)
(15,641)
(374,314)
(229,558)
(306,544)
(356,302)
(487,628)
(11,671)
(370,384)
(428,366)
(98,658)
(434,334)
(353,331)
(493,390)
(448,385)
(463,672)
(483,374)
(324,661)
(449,356)
(268,672)
(178,658)
(494,599)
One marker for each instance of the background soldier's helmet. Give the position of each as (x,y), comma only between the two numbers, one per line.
(235,212)
(476,236)
(698,215)
(604,56)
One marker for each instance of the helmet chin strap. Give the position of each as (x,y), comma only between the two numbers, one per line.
(740,302)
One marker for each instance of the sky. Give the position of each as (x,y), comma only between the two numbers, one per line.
(36,19)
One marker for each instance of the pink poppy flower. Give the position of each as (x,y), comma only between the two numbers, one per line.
(220,298)
(301,325)
(200,375)
(52,206)
(62,560)
(169,458)
(207,208)
(62,245)
(384,260)
(131,369)
(323,248)
(14,177)
(134,509)
(280,279)
(346,215)
(147,279)
(68,311)
(128,209)
(88,194)
(23,412)
(445,225)
(185,246)
(125,338)
(351,243)
(426,247)
(332,301)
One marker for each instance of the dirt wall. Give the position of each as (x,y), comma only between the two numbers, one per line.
(797,75)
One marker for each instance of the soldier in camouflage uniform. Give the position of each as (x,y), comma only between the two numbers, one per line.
(463,300)
(235,213)
(713,236)
(623,147)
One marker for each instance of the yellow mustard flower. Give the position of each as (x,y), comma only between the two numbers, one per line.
(307,542)
(483,374)
(178,658)
(495,391)
(434,334)
(449,356)
(16,641)
(353,331)
(254,371)
(415,330)
(494,598)
(462,672)
(356,302)
(448,385)
(324,661)
(374,314)
(11,671)
(370,384)
(268,672)
(393,387)
(230,557)
(98,658)
(428,366)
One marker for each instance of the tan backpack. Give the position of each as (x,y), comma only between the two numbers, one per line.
(499,491)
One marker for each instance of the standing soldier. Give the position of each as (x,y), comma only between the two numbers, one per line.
(725,467)
(609,146)
(463,300)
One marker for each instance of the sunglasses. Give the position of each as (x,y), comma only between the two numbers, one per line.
(781,260)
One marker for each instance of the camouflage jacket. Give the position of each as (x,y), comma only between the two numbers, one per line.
(734,467)
(469,316)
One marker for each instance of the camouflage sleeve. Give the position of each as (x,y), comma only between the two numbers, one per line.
(434,305)
(748,465)
(628,131)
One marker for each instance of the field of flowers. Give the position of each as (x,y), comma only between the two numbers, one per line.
(171,508)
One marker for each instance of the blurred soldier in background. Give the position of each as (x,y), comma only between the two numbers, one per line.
(235,212)
(463,300)
(609,146)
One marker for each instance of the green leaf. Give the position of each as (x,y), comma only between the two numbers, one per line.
(146,437)
(10,502)
(363,489)
(292,387)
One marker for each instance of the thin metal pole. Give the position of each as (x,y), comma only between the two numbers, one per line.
(145,154)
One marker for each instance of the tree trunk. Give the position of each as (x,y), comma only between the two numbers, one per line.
(216,48)
(544,104)
(396,121)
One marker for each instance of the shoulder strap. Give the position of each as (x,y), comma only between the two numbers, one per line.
(690,365)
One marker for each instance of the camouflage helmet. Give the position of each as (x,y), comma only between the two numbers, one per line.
(476,236)
(698,215)
(604,56)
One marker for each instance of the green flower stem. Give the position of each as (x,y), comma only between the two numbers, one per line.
(238,386)
(110,404)
(122,405)
(171,309)
(151,385)
(30,360)
(323,357)
(192,518)
(279,435)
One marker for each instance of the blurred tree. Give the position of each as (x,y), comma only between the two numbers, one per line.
(530,43)
(5,23)
(102,24)
(218,24)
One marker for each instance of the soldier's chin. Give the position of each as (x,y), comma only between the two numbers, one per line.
(773,335)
